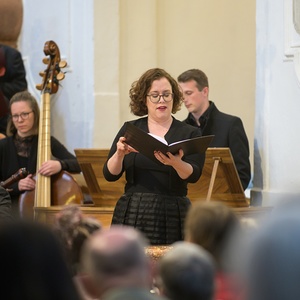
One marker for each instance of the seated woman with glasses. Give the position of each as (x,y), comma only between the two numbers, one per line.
(19,149)
(155,199)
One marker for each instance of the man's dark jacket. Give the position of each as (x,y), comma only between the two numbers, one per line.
(229,132)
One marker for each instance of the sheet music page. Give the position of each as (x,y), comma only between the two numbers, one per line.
(159,138)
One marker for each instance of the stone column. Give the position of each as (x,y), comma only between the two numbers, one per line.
(11,18)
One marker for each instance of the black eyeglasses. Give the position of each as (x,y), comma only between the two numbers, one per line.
(155,98)
(23,115)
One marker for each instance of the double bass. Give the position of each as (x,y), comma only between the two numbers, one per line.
(62,188)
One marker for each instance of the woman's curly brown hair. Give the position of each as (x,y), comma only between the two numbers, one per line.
(140,88)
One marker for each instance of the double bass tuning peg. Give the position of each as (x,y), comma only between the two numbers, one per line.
(60,76)
(46,60)
(62,64)
(39,87)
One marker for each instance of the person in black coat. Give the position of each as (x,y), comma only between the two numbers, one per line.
(228,130)
(12,80)
(155,195)
(5,206)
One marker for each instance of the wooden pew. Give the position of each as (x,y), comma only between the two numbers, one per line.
(103,193)
(219,182)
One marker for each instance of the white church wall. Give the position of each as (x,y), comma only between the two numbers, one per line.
(69,23)
(277,124)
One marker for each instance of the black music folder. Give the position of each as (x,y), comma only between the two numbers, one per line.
(146,144)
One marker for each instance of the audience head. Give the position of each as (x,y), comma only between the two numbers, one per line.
(212,225)
(80,235)
(33,266)
(140,89)
(186,272)
(26,103)
(73,229)
(66,220)
(115,257)
(273,264)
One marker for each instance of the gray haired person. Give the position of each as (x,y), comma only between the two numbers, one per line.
(117,264)
(187,271)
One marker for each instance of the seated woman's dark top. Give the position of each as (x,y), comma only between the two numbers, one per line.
(17,152)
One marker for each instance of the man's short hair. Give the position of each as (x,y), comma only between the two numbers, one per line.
(194,74)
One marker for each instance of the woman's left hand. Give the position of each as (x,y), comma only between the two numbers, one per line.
(50,167)
(183,169)
(169,159)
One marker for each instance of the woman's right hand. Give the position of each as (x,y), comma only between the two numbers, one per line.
(122,148)
(114,164)
(26,184)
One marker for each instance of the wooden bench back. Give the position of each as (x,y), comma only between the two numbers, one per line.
(226,187)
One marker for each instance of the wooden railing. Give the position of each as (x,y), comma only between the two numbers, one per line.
(219,182)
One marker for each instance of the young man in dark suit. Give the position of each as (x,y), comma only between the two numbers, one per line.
(12,80)
(203,113)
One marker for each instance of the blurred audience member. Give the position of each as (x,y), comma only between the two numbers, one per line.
(273,265)
(12,80)
(214,226)
(249,224)
(186,272)
(33,265)
(66,220)
(5,205)
(73,229)
(116,261)
(81,233)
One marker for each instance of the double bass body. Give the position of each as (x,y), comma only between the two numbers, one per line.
(64,190)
